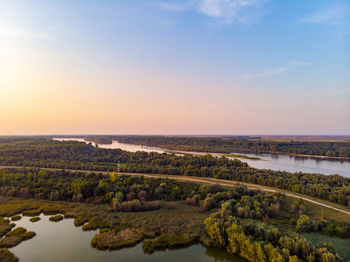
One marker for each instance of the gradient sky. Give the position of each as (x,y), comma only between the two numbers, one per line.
(175,67)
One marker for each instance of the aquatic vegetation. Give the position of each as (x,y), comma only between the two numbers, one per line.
(32,213)
(111,240)
(34,219)
(70,214)
(5,226)
(16,236)
(243,156)
(81,220)
(56,218)
(7,256)
(165,241)
(16,217)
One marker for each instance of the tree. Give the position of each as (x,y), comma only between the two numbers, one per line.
(303,224)
(114,177)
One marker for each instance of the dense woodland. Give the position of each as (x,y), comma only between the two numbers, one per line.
(131,193)
(81,156)
(261,242)
(241,144)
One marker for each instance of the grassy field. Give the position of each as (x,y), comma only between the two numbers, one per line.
(342,246)
(315,211)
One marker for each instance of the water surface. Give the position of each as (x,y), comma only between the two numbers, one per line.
(62,241)
(267,161)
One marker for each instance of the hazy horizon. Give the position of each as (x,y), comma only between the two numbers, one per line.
(200,67)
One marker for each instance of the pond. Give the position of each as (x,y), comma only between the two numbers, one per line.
(62,241)
(267,161)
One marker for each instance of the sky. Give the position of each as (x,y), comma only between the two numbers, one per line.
(229,67)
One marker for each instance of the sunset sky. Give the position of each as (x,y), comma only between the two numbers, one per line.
(175,67)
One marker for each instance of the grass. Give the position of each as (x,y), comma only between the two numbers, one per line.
(5,226)
(16,217)
(179,226)
(34,219)
(7,256)
(160,229)
(56,218)
(341,246)
(112,240)
(242,156)
(32,213)
(167,241)
(16,236)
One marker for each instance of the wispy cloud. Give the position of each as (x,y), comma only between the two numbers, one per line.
(275,71)
(298,63)
(228,11)
(223,11)
(24,33)
(333,14)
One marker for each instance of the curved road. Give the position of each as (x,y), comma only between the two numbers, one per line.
(221,182)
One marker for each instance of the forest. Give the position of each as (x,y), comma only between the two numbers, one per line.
(249,223)
(228,145)
(262,242)
(80,156)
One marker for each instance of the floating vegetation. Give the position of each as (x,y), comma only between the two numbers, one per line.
(111,240)
(56,218)
(164,242)
(5,226)
(7,256)
(34,219)
(32,213)
(81,220)
(16,236)
(16,218)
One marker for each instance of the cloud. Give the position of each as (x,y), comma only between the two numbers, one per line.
(266,73)
(227,10)
(333,14)
(288,66)
(224,11)
(23,33)
(298,63)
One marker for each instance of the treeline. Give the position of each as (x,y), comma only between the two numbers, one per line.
(330,228)
(92,187)
(241,144)
(260,242)
(127,193)
(81,156)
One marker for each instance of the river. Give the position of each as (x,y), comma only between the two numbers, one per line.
(267,161)
(62,241)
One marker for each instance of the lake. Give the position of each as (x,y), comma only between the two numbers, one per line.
(267,161)
(62,241)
